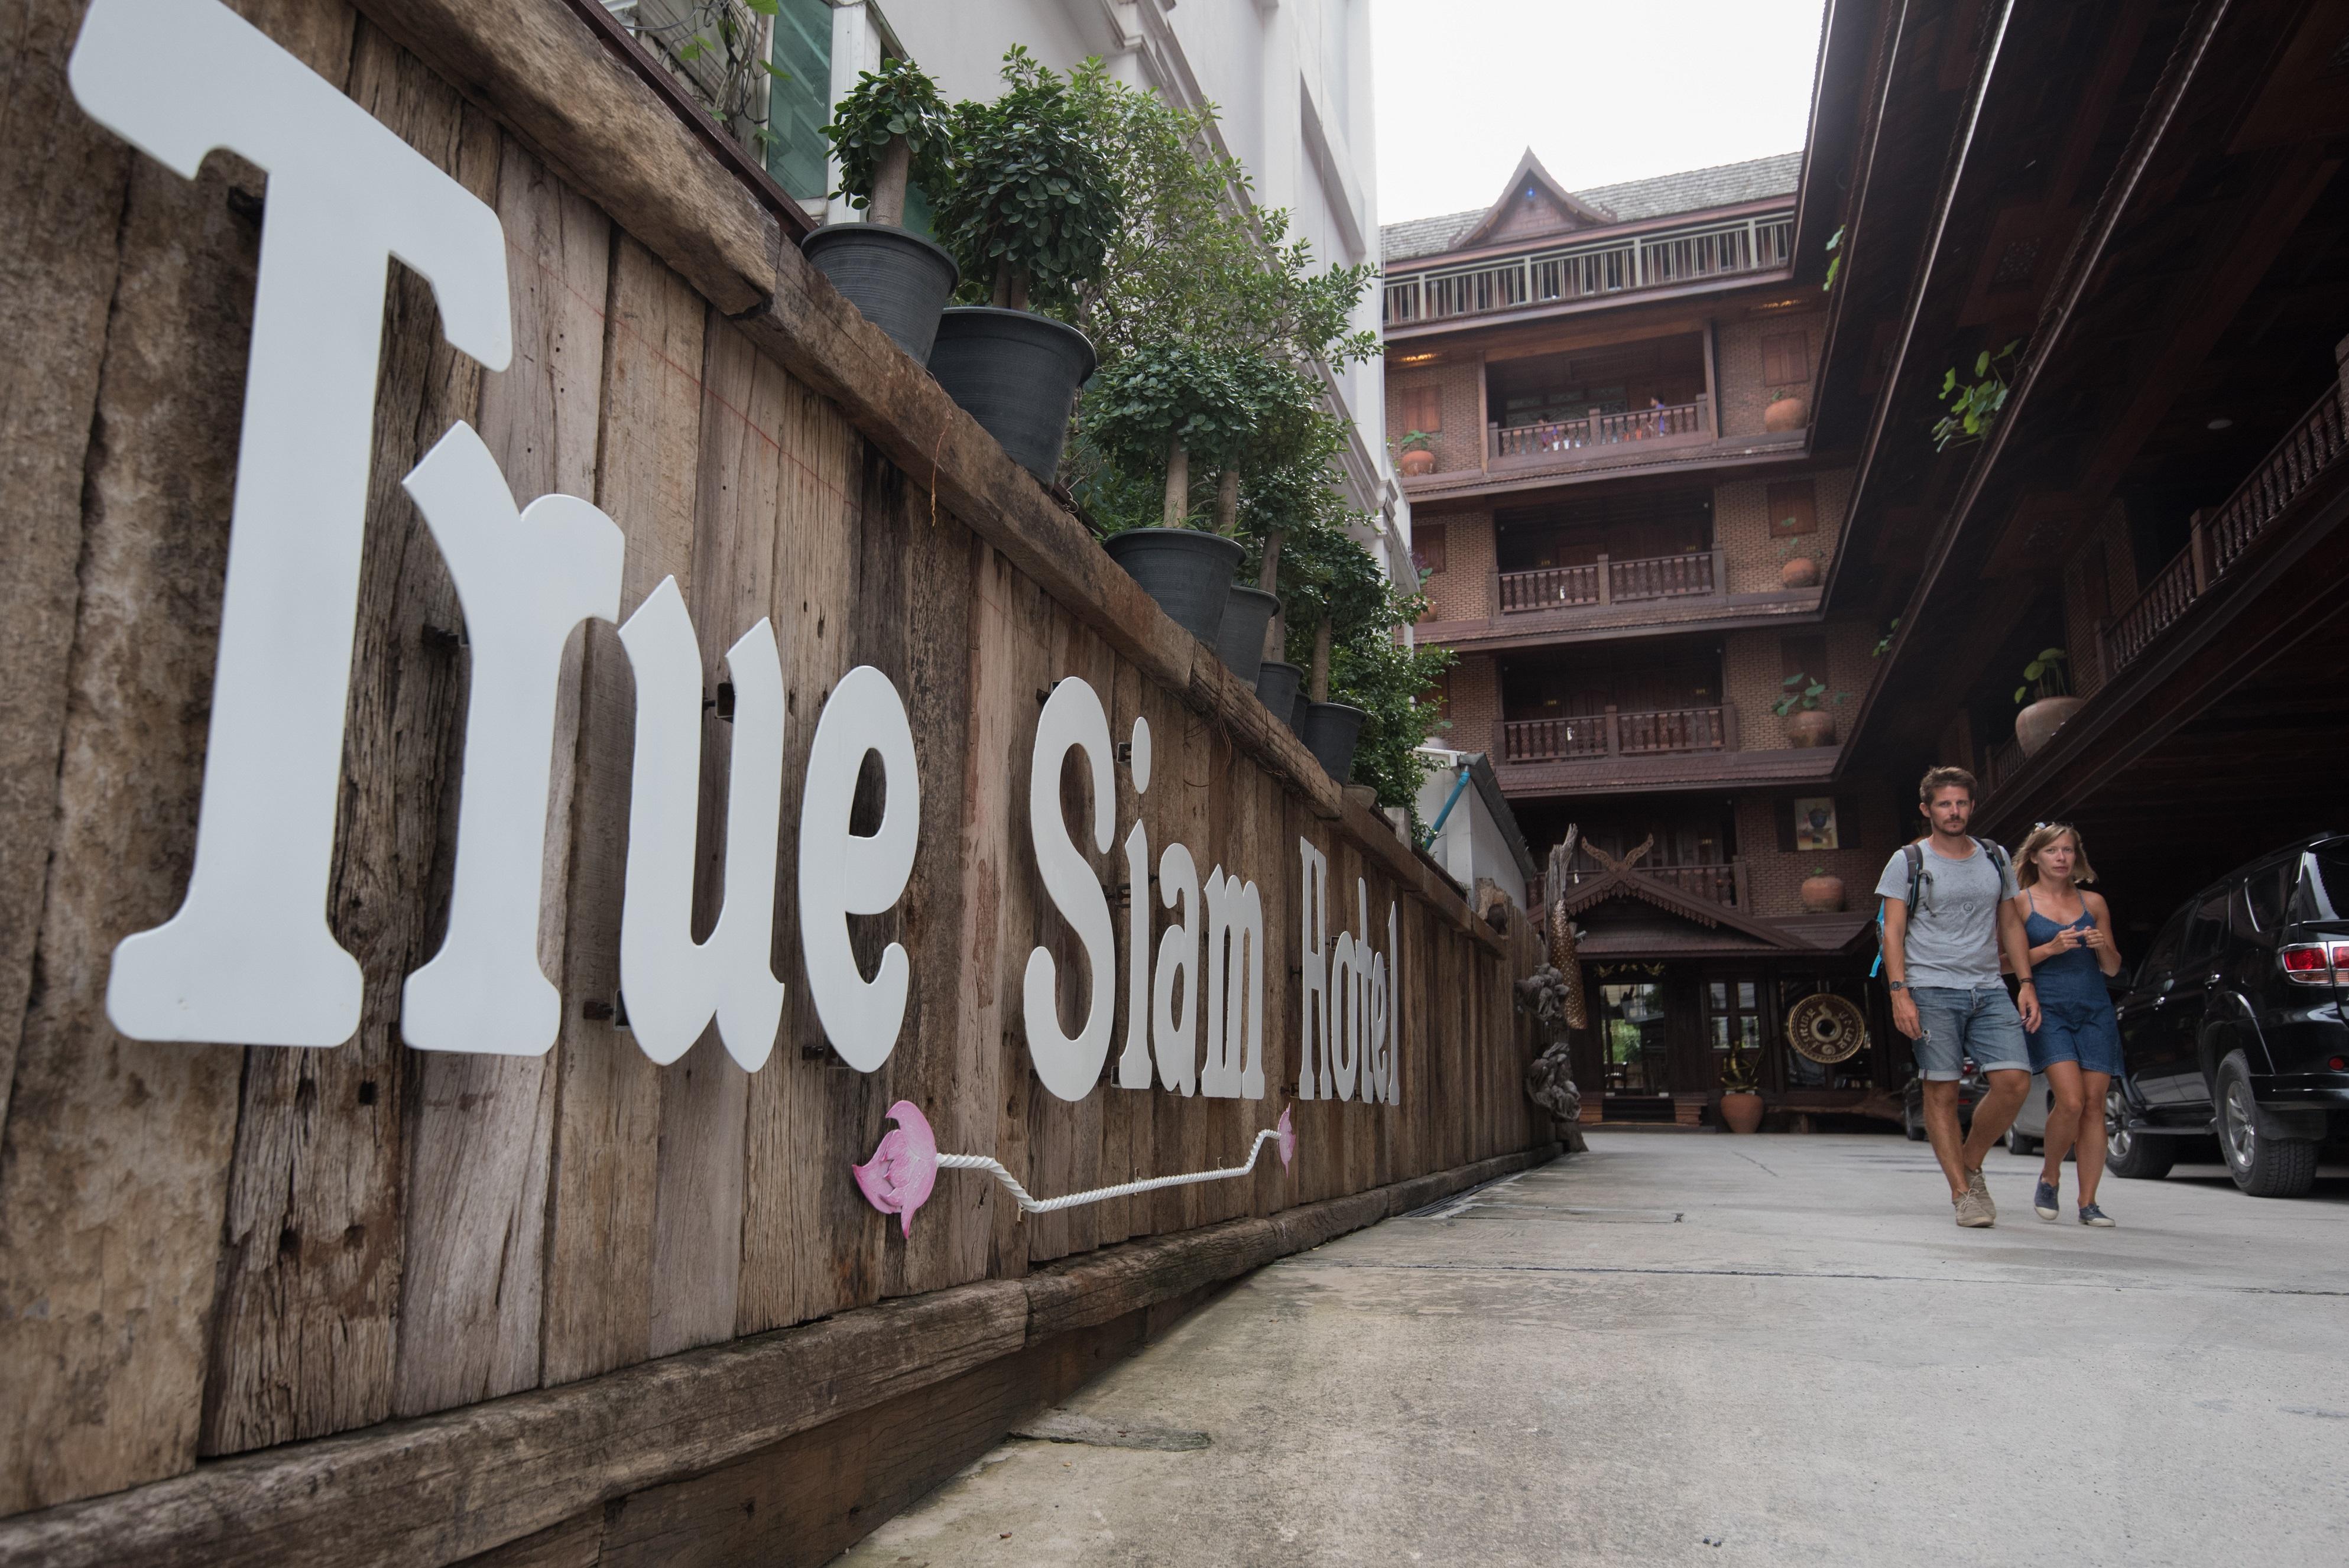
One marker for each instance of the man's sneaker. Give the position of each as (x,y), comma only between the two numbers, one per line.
(1979,1189)
(1974,1211)
(2046,1203)
(2093,1215)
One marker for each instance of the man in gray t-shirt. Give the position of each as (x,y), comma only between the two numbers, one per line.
(1940,959)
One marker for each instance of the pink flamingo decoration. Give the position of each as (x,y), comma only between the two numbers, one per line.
(897,1180)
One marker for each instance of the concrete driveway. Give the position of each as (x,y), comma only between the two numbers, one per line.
(1718,1350)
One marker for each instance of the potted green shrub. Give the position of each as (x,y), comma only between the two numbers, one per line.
(2044,678)
(1032,210)
(1741,1093)
(1416,453)
(890,131)
(1804,705)
(1165,407)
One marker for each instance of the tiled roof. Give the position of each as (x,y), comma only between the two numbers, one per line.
(1690,191)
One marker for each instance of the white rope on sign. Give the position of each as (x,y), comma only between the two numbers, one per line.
(1033,1205)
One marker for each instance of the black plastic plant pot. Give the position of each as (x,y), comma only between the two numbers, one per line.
(1296,711)
(899,281)
(1330,731)
(1188,572)
(1246,613)
(1017,373)
(1277,684)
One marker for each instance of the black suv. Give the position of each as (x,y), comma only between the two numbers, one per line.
(2235,1025)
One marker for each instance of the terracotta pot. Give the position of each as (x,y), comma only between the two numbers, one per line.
(1790,412)
(2035,726)
(1802,571)
(1811,726)
(1416,461)
(1822,894)
(1741,1112)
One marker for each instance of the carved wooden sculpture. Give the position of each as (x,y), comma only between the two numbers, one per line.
(1563,956)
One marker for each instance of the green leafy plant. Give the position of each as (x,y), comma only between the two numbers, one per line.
(1884,643)
(1166,405)
(1974,406)
(1790,548)
(1035,203)
(1414,441)
(1738,1073)
(720,47)
(2044,677)
(891,129)
(1834,263)
(1800,693)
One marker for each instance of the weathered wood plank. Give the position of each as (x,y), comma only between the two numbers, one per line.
(303,1339)
(481,1134)
(600,1217)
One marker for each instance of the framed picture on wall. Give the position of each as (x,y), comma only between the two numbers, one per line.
(1814,824)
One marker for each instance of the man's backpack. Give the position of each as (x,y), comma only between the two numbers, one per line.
(1914,854)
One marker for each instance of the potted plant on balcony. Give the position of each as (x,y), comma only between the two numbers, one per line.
(1822,892)
(1788,409)
(1030,216)
(2044,677)
(1741,1093)
(890,131)
(1416,453)
(1155,412)
(1796,569)
(1804,705)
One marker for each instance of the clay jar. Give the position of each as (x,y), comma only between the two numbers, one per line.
(1801,571)
(1787,411)
(2035,726)
(1417,462)
(1741,1112)
(1822,894)
(1811,726)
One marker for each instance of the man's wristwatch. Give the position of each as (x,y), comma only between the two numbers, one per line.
(1897,984)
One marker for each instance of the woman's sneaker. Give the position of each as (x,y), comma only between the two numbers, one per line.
(2093,1215)
(2046,1203)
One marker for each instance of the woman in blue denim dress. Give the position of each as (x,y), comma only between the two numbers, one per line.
(2079,1042)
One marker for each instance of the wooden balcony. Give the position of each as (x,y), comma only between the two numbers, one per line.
(1614,733)
(1547,443)
(2220,538)
(1610,582)
(1722,884)
(1600,269)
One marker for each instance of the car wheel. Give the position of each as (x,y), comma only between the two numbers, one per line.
(2022,1143)
(1912,1126)
(2127,1153)
(2264,1167)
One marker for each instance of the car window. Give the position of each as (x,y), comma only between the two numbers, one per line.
(2325,886)
(2204,928)
(2259,905)
(2162,957)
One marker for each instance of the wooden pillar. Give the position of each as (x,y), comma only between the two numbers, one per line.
(1606,584)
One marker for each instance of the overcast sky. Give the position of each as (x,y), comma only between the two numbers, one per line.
(1602,90)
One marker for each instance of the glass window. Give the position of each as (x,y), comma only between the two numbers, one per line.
(799,105)
(2259,906)
(2324,890)
(1631,1030)
(2163,955)
(2202,932)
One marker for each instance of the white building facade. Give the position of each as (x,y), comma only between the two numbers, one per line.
(1290,80)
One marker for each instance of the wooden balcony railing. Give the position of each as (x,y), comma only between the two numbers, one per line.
(1618,734)
(1564,273)
(2220,538)
(1555,436)
(1609,582)
(1724,884)
(2000,762)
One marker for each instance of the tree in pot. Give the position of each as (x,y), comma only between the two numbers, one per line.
(1034,207)
(890,131)
(1416,453)
(1822,892)
(2045,679)
(1804,705)
(1155,410)
(1741,1092)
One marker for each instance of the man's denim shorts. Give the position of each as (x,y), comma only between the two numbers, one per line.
(1981,1023)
